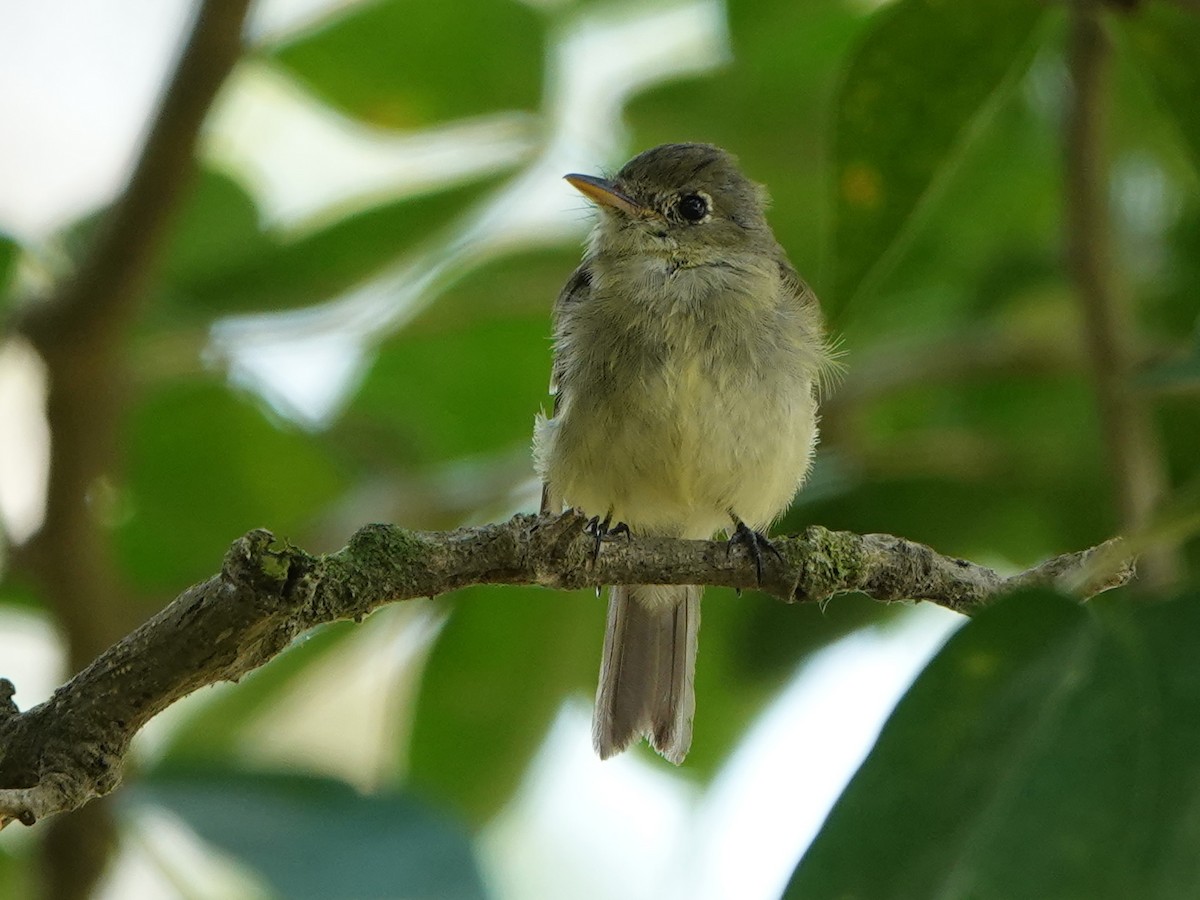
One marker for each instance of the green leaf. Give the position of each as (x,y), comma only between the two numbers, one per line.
(1165,42)
(409,64)
(922,79)
(1047,751)
(9,250)
(467,376)
(323,264)
(205,466)
(221,262)
(218,227)
(499,671)
(18,872)
(317,838)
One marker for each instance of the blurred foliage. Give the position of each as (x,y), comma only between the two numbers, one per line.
(317,838)
(1164,40)
(492,687)
(960,54)
(222,262)
(8,258)
(913,153)
(405,64)
(1059,737)
(205,463)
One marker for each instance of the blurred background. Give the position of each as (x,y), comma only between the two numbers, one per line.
(329,306)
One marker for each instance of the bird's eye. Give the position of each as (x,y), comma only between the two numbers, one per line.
(693,207)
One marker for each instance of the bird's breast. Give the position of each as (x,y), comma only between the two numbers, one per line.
(675,419)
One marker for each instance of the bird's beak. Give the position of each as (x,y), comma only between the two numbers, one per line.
(605,193)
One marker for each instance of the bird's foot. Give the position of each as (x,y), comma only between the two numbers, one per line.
(755,543)
(600,531)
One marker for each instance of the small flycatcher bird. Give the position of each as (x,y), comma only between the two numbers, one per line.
(687,358)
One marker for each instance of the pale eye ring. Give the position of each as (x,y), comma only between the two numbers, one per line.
(693,207)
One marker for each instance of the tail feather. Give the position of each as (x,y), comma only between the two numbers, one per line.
(648,669)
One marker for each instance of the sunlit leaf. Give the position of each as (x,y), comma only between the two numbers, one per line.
(1047,751)
(498,673)
(317,838)
(407,64)
(1165,39)
(917,85)
(205,466)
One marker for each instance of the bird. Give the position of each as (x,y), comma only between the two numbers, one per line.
(687,363)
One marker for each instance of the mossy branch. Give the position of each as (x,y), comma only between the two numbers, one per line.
(62,753)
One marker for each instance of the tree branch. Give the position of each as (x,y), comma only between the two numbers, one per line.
(81,331)
(69,750)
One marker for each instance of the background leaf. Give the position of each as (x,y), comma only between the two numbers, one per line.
(216,729)
(417,63)
(1043,732)
(9,251)
(222,262)
(494,681)
(1164,39)
(317,838)
(914,89)
(468,374)
(196,446)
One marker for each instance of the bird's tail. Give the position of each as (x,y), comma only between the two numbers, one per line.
(648,669)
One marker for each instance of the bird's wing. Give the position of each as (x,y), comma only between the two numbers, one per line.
(577,290)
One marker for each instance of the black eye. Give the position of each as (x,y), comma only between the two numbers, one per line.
(693,207)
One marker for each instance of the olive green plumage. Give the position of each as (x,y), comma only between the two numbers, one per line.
(687,359)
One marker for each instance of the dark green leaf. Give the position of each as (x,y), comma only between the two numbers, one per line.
(498,673)
(1165,40)
(218,228)
(408,64)
(206,466)
(317,838)
(917,85)
(1047,751)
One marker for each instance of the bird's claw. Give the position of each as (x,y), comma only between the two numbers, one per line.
(600,531)
(754,542)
